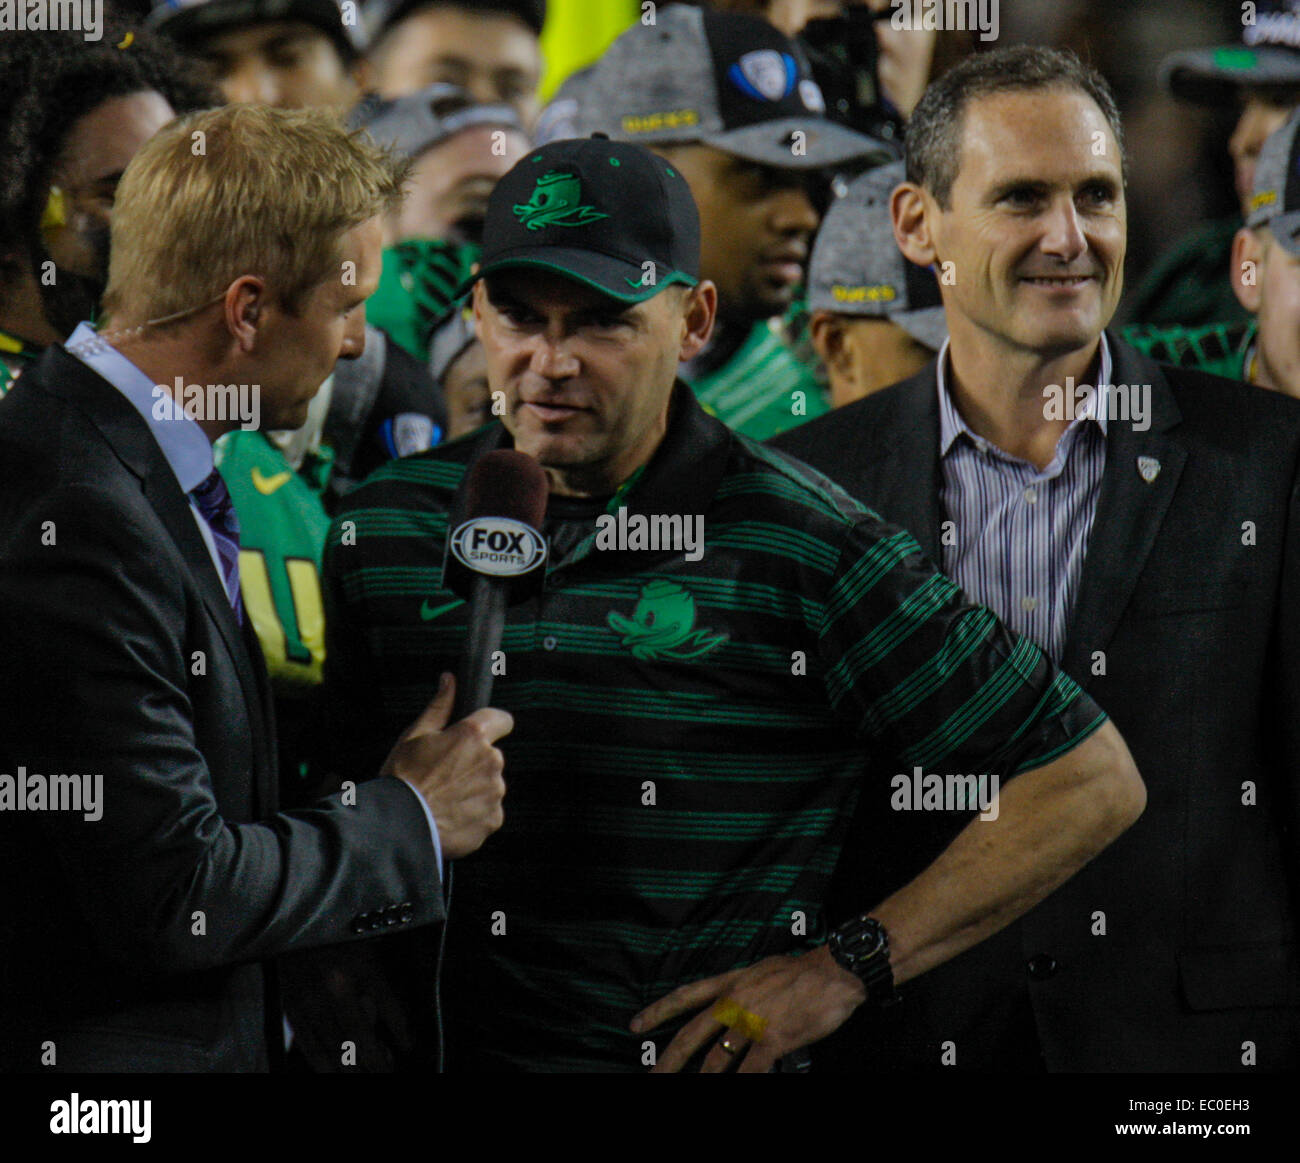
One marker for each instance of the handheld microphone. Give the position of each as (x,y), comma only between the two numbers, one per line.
(495,558)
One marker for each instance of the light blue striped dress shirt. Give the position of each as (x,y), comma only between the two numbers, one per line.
(1019,534)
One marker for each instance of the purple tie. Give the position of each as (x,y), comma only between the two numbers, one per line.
(213,500)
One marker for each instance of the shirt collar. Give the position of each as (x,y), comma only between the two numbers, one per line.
(951,424)
(186,449)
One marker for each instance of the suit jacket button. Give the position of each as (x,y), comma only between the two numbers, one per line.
(1042,966)
(407,915)
(359,924)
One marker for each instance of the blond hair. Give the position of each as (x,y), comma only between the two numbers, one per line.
(241,190)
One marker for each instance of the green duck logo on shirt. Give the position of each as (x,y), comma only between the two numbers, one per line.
(555,202)
(663,625)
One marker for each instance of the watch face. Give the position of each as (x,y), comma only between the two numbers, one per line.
(864,938)
(862,947)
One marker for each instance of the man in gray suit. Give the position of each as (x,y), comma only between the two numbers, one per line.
(146,876)
(1143,525)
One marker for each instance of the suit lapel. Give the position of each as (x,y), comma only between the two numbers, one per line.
(267,786)
(134,445)
(1129,513)
(908,488)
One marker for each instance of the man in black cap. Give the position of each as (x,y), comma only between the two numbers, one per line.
(731,103)
(1189,286)
(721,640)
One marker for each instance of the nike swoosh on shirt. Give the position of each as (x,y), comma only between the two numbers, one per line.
(267,485)
(428,615)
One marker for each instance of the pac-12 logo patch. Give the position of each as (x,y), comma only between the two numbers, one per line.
(765,74)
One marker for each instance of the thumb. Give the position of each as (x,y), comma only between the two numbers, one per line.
(434,717)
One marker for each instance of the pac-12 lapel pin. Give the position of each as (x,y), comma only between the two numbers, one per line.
(1148,468)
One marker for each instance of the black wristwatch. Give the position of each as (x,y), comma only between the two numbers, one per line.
(862,947)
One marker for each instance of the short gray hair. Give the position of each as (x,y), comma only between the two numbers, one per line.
(934,133)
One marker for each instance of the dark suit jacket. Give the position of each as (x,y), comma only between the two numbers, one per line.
(137,942)
(1178,944)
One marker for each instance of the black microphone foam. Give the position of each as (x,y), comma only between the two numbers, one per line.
(495,557)
(503,486)
(506,483)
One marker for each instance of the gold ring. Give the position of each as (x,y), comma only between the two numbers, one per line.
(733,1015)
(728,1047)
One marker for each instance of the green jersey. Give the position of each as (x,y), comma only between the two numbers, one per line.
(763,389)
(282,527)
(1221,349)
(417,285)
(695,719)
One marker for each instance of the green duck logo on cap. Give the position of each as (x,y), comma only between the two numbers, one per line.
(663,625)
(555,202)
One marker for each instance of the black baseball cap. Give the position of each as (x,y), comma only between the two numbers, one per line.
(381,15)
(1268,55)
(610,215)
(725,79)
(190,22)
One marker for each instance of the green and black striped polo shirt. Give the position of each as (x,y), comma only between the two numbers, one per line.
(690,736)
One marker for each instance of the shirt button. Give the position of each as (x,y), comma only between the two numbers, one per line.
(549,643)
(1031,496)
(1028,603)
(1042,966)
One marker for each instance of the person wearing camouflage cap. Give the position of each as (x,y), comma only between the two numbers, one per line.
(1266,263)
(875,318)
(460,150)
